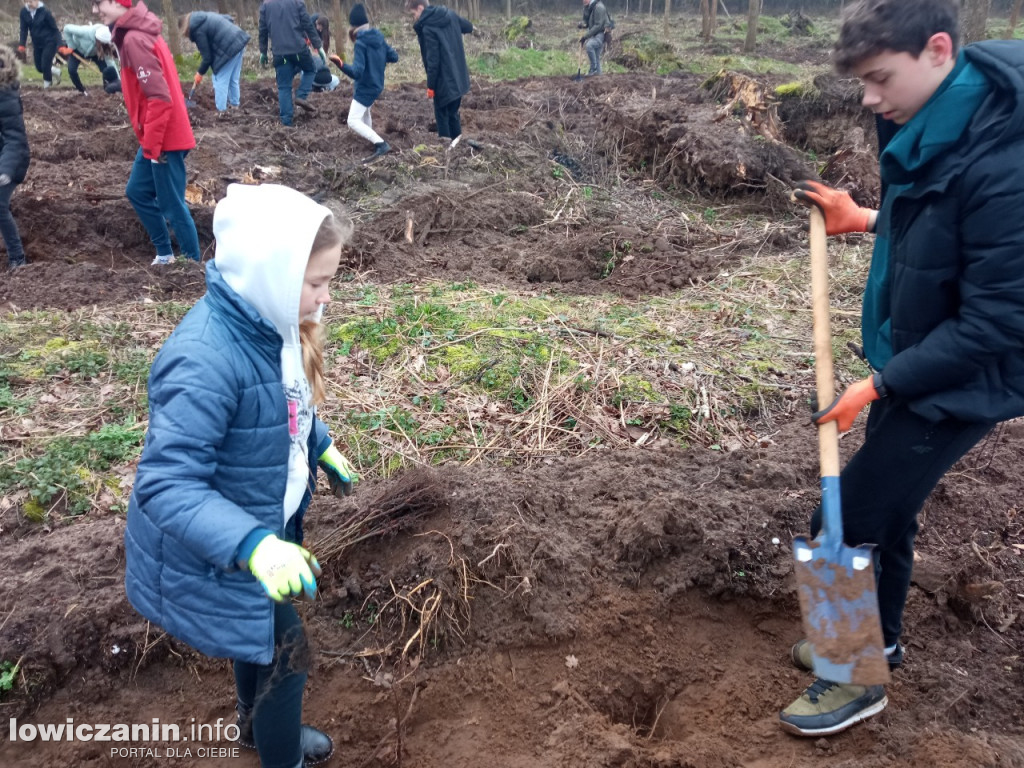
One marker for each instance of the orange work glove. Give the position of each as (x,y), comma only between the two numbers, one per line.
(65,51)
(21,49)
(197,79)
(840,212)
(844,409)
(430,93)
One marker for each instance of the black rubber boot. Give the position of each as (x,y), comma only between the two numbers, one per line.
(379,150)
(317,746)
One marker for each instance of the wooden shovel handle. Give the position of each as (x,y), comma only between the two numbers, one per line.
(828,433)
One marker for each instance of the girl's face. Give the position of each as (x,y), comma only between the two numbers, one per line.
(316,283)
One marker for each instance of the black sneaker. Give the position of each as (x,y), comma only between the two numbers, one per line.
(303,104)
(317,746)
(801,656)
(13,265)
(825,708)
(379,150)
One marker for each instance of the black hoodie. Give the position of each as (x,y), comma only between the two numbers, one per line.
(440,32)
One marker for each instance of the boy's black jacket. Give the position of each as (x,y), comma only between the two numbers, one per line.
(14,154)
(957,262)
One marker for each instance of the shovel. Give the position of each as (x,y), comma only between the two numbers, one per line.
(836,583)
(579,69)
(189,103)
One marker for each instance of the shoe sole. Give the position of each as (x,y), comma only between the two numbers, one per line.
(864,714)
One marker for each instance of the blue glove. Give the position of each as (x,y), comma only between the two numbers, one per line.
(284,569)
(340,472)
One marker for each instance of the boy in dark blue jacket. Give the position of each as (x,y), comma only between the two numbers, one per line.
(37,20)
(221,44)
(372,55)
(285,25)
(943,308)
(14,156)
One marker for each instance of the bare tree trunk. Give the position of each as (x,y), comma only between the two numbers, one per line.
(174,37)
(650,8)
(508,9)
(239,12)
(973,20)
(1014,18)
(705,20)
(340,29)
(668,8)
(753,14)
(714,18)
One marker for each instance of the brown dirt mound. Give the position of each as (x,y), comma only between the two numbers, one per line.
(609,609)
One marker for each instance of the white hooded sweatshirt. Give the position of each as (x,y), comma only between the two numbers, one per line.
(264,237)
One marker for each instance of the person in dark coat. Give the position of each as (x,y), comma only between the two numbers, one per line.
(372,54)
(221,44)
(596,22)
(37,21)
(943,308)
(286,27)
(14,154)
(439,32)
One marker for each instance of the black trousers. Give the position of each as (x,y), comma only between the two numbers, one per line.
(275,691)
(43,57)
(449,125)
(885,484)
(73,64)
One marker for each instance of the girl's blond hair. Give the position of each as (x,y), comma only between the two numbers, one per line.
(333,232)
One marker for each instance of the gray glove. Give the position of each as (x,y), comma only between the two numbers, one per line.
(4,179)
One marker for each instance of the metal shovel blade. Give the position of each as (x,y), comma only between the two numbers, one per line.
(189,103)
(836,582)
(840,611)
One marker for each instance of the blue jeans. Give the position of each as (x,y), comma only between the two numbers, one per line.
(274,692)
(287,67)
(225,83)
(157,193)
(594,46)
(9,228)
(449,125)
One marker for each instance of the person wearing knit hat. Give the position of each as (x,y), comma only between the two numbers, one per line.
(371,55)
(287,29)
(37,21)
(156,108)
(357,16)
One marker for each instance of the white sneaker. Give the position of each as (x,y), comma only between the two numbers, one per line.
(455,142)
(55,71)
(163,260)
(46,85)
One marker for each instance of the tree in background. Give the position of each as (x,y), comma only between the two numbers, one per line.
(973,17)
(753,14)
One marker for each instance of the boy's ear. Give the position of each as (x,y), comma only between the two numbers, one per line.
(939,48)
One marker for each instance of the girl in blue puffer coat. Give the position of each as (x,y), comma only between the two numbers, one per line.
(230,462)
(372,54)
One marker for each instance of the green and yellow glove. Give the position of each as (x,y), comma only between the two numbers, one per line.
(263,60)
(284,569)
(339,470)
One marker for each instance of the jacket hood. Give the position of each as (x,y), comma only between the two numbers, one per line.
(264,237)
(1002,61)
(139,18)
(373,37)
(10,69)
(433,16)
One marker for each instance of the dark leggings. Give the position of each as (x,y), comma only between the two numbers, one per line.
(448,123)
(73,63)
(274,692)
(43,56)
(884,486)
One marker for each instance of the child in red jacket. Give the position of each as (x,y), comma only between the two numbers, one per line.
(156,107)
